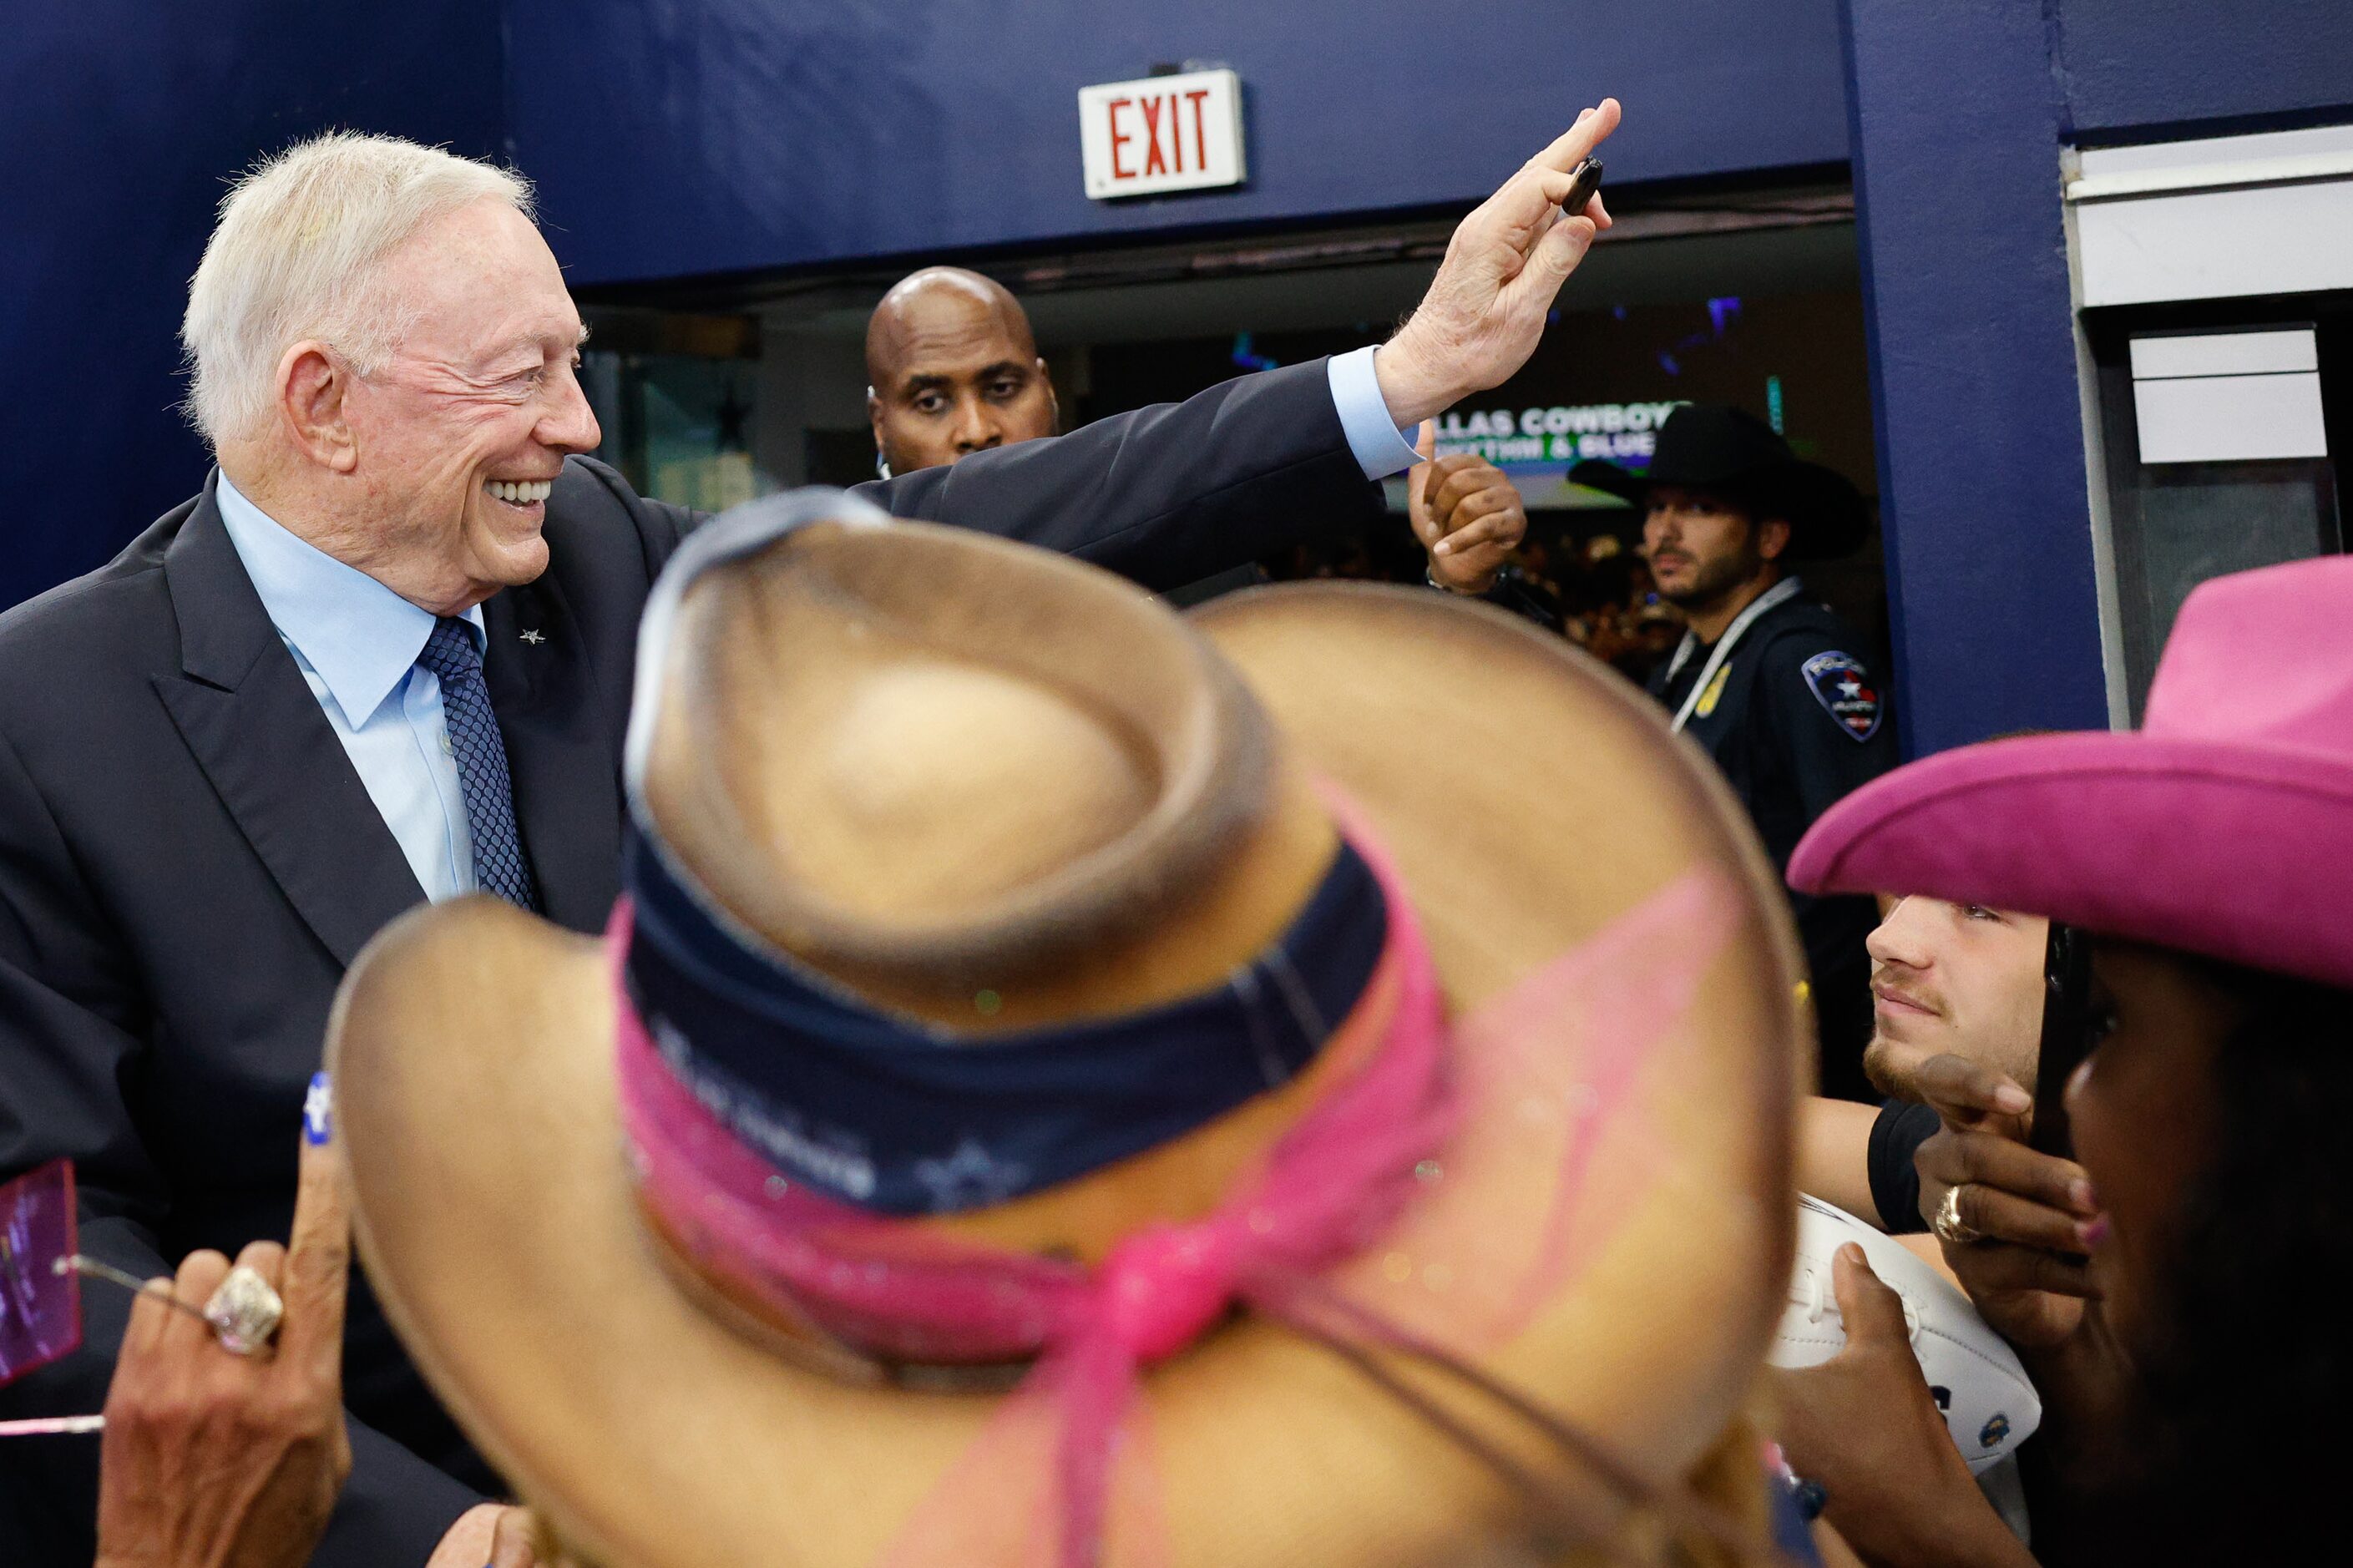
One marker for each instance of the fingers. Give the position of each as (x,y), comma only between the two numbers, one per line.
(1485,518)
(318,1256)
(1872,1312)
(1429,501)
(1459,479)
(1556,190)
(1967,1093)
(267,1258)
(1556,255)
(1987,1160)
(1425,440)
(1991,1212)
(1416,506)
(511,1543)
(200,1275)
(1577,144)
(1523,207)
(2007,1193)
(1998,1267)
(470,1539)
(149,1316)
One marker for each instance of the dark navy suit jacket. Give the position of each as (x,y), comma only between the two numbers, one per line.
(188,861)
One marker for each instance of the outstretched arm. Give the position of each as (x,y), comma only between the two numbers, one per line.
(1175,492)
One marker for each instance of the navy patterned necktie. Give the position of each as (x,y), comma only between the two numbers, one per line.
(481,752)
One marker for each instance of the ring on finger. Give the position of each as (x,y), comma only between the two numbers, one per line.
(1949,1226)
(243,1312)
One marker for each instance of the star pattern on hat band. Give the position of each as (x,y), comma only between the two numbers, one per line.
(969,1179)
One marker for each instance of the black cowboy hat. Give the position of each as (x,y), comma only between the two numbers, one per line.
(1711,446)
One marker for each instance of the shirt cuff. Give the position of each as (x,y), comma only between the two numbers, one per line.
(1380,447)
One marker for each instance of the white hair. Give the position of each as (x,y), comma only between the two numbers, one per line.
(297,255)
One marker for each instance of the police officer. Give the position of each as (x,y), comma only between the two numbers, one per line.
(1767,679)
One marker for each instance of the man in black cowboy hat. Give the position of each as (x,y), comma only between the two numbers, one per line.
(1767,679)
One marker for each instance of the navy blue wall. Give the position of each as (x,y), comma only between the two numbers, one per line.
(1991,602)
(1960,112)
(123,118)
(705,135)
(2133,67)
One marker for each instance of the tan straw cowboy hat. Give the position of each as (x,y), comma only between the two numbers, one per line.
(1343,1032)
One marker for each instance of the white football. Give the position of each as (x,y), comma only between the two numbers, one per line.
(1989,1407)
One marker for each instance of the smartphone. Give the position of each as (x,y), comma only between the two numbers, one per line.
(2066,1035)
(1584,180)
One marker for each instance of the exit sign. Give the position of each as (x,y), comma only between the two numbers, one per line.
(1163,133)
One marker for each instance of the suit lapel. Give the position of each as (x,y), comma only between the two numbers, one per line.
(252,724)
(561,753)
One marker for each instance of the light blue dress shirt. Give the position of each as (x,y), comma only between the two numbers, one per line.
(356,642)
(1380,447)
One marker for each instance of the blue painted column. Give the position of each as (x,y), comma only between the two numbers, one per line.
(1957,119)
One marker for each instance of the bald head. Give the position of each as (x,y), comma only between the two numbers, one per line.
(952,370)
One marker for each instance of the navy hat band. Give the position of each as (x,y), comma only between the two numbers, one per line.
(902,1117)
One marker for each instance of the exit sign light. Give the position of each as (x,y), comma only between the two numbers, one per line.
(1160,135)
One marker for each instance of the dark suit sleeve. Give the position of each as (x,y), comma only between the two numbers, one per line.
(71,1035)
(1168,494)
(660,524)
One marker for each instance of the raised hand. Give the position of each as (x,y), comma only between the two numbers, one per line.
(1486,308)
(213,1460)
(1468,516)
(2013,1235)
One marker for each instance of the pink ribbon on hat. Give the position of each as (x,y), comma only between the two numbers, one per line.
(1337,1180)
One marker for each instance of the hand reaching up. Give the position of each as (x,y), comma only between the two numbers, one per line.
(1487,306)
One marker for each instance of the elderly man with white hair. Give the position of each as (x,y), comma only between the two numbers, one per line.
(386,656)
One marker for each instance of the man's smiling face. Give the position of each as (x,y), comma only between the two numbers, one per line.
(460,436)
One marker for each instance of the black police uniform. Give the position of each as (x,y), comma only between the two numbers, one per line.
(1796,720)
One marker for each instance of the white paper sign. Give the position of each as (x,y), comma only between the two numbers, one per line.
(2228,397)
(1161,133)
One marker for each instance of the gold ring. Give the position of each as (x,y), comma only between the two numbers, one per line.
(1949,1226)
(245,1312)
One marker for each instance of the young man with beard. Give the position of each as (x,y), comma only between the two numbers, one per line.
(1964,980)
(1766,679)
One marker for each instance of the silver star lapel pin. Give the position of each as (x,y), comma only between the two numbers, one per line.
(535,637)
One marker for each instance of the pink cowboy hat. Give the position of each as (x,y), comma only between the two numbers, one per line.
(2224,826)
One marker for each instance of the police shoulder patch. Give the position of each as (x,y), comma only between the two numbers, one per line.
(1845,689)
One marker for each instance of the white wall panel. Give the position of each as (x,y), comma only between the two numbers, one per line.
(2216,244)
